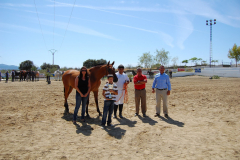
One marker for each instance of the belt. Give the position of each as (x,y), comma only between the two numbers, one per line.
(162,89)
(140,89)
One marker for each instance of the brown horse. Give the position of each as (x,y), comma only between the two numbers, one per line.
(95,74)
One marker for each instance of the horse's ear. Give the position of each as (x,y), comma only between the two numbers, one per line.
(113,63)
(108,63)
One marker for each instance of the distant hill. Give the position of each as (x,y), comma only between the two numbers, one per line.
(5,67)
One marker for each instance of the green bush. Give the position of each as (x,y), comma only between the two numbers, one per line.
(216,77)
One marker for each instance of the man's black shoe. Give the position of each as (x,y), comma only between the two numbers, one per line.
(157,115)
(166,115)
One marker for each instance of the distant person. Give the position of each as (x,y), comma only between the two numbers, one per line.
(0,76)
(163,87)
(123,80)
(13,75)
(33,75)
(140,81)
(109,93)
(83,88)
(7,74)
(48,75)
(170,73)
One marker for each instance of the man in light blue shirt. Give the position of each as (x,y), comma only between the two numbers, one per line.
(163,87)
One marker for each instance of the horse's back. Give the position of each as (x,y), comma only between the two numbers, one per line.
(69,76)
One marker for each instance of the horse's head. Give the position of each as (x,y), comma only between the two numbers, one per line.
(111,70)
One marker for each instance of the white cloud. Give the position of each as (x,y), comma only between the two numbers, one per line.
(183,34)
(29,29)
(77,29)
(15,5)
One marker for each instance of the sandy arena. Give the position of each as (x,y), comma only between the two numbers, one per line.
(204,123)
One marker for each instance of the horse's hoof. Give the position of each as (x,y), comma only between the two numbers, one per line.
(66,112)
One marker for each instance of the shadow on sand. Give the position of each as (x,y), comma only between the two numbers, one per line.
(115,132)
(125,121)
(172,121)
(147,120)
(85,129)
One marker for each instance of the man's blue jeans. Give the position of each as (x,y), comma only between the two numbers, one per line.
(80,99)
(108,109)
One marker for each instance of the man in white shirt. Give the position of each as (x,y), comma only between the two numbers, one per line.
(123,80)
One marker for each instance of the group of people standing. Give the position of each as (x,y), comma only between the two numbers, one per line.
(114,93)
(6,74)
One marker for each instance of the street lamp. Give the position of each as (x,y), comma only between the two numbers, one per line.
(211,23)
(53,51)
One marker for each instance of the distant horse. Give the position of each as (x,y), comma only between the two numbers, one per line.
(36,75)
(17,74)
(150,73)
(95,74)
(23,75)
(134,73)
(58,75)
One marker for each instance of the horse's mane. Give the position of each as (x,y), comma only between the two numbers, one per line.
(97,66)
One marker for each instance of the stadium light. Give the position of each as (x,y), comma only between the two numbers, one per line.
(211,22)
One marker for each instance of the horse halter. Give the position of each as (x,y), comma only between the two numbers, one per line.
(107,72)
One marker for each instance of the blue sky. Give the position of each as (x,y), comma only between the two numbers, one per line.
(115,30)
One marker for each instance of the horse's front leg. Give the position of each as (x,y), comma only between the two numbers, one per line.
(96,101)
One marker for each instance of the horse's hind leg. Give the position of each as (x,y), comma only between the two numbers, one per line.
(87,115)
(96,101)
(67,91)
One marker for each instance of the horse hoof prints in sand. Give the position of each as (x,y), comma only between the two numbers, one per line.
(95,74)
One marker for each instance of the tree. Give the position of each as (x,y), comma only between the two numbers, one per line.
(146,59)
(204,63)
(174,60)
(92,62)
(185,61)
(161,57)
(214,61)
(129,66)
(234,53)
(49,66)
(101,61)
(45,66)
(34,68)
(194,60)
(200,59)
(26,65)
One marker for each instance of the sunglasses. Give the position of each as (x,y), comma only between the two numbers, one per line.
(84,70)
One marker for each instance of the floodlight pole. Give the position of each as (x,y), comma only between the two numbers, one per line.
(214,22)
(53,51)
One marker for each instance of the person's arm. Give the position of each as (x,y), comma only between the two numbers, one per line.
(142,82)
(169,86)
(103,93)
(76,86)
(127,80)
(154,85)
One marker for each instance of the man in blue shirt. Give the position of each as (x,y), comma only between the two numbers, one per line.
(163,87)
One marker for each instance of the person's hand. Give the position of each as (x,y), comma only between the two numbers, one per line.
(168,93)
(153,91)
(81,95)
(85,95)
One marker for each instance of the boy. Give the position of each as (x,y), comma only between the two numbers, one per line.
(109,93)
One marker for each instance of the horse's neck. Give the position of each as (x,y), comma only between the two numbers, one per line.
(98,73)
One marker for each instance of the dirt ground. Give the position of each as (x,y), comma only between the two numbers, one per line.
(204,123)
